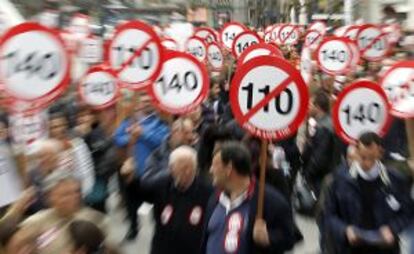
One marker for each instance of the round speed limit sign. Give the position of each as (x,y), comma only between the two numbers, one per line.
(243,41)
(99,87)
(230,32)
(269,97)
(207,34)
(289,35)
(182,85)
(372,43)
(361,107)
(398,83)
(215,56)
(312,39)
(198,48)
(34,64)
(261,49)
(334,56)
(135,54)
(169,44)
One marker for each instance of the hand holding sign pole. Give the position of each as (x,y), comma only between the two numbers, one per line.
(269,99)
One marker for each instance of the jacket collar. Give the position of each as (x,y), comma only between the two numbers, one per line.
(383,174)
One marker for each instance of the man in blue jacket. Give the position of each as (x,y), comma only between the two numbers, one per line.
(367,205)
(231,223)
(142,133)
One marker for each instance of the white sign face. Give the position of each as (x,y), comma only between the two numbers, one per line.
(356,55)
(49,18)
(306,65)
(169,44)
(26,129)
(91,50)
(356,115)
(289,35)
(33,63)
(98,88)
(268,96)
(197,48)
(334,56)
(352,32)
(340,32)
(318,26)
(313,39)
(372,43)
(230,33)
(182,85)
(275,33)
(244,41)
(398,84)
(215,56)
(135,54)
(255,53)
(205,34)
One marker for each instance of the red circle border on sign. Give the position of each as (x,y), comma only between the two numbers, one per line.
(355,85)
(294,74)
(202,42)
(275,51)
(204,91)
(222,56)
(224,28)
(233,50)
(382,34)
(349,61)
(293,31)
(402,64)
(208,29)
(52,33)
(139,25)
(99,68)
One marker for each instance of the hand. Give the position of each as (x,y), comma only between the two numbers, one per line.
(26,199)
(135,131)
(351,236)
(260,234)
(128,169)
(387,235)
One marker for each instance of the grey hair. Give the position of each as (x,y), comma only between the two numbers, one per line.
(182,152)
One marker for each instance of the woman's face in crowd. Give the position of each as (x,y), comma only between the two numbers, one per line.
(58,127)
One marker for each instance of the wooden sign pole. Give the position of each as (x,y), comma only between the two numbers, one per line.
(409,126)
(262,179)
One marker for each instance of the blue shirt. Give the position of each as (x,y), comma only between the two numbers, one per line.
(228,226)
(154,131)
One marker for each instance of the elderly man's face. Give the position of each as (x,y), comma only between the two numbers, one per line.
(183,173)
(65,197)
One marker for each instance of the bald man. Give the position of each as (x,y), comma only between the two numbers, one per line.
(179,199)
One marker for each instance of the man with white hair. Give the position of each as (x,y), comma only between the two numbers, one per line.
(179,199)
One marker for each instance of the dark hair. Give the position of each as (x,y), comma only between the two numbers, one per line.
(369,138)
(87,235)
(4,119)
(238,155)
(321,100)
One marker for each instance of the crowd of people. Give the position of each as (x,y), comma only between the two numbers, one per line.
(200,172)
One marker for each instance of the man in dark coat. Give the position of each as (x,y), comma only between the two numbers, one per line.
(367,205)
(180,200)
(231,224)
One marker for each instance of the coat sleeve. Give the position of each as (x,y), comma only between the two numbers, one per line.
(334,226)
(319,158)
(405,215)
(121,136)
(154,169)
(154,136)
(279,221)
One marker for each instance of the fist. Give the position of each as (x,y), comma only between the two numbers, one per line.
(387,235)
(351,236)
(260,234)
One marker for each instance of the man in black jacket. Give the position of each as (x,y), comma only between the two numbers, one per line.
(231,223)
(179,199)
(320,154)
